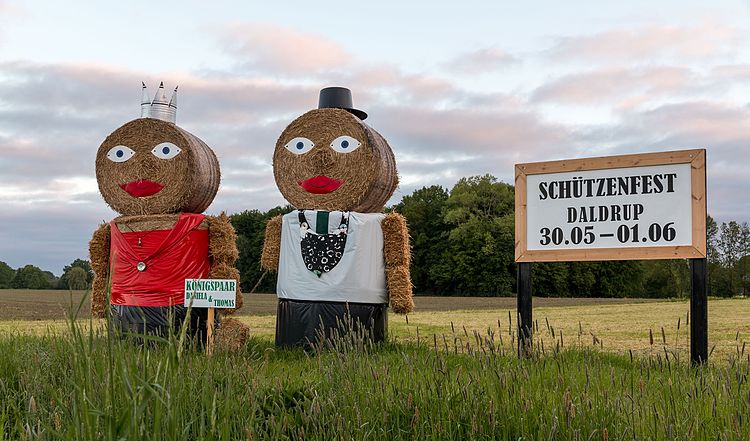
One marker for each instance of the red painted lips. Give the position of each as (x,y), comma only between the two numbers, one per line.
(320,184)
(142,188)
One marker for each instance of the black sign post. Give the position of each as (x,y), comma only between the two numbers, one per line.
(523,305)
(698,310)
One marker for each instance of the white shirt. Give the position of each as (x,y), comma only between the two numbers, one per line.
(359,277)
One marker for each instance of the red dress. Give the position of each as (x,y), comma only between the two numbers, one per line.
(149,268)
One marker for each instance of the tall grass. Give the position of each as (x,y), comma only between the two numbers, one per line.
(86,385)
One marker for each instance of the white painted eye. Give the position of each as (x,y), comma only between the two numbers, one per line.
(299,145)
(166,150)
(120,153)
(345,144)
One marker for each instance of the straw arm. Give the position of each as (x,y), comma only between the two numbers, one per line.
(397,253)
(269,259)
(99,248)
(223,253)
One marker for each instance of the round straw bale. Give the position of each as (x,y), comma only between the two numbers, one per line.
(368,174)
(190,180)
(232,335)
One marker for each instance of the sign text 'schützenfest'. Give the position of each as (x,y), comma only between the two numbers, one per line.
(647,206)
(211,293)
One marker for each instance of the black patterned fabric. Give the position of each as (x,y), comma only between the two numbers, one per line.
(322,252)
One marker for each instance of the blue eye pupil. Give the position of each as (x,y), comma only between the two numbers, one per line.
(300,145)
(344,144)
(120,153)
(165,150)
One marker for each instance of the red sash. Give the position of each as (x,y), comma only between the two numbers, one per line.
(167,258)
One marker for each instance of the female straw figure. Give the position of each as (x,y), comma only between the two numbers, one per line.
(160,178)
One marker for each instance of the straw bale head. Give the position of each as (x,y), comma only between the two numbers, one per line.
(328,159)
(150,166)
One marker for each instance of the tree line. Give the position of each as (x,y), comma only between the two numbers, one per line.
(463,244)
(77,276)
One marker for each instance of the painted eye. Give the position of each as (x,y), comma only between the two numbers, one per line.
(299,145)
(120,153)
(166,150)
(345,144)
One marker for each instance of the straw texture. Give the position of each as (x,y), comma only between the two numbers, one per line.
(269,259)
(222,240)
(399,289)
(232,335)
(151,222)
(397,253)
(222,248)
(99,247)
(190,179)
(368,173)
(225,271)
(396,247)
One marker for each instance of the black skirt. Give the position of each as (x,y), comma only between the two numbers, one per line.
(304,323)
(133,321)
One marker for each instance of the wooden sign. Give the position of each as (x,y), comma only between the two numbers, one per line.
(211,294)
(645,206)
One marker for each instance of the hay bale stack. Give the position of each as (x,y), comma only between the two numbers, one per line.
(368,173)
(190,179)
(232,335)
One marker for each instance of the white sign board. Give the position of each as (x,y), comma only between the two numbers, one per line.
(626,207)
(211,293)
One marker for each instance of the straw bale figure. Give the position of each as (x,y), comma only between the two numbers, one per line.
(160,178)
(339,258)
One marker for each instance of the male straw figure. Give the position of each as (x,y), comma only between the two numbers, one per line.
(160,178)
(338,256)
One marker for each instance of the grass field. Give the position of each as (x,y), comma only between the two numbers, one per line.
(449,371)
(82,385)
(618,325)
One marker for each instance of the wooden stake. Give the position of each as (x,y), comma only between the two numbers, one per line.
(210,332)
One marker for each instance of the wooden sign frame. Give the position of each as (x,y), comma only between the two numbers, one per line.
(697,160)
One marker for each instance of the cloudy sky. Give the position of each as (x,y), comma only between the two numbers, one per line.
(458,88)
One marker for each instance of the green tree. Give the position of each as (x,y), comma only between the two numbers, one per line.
(666,278)
(712,240)
(733,245)
(85,265)
(77,278)
(480,256)
(617,278)
(250,226)
(581,279)
(423,210)
(30,277)
(551,279)
(6,275)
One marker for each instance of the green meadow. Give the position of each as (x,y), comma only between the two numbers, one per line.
(442,375)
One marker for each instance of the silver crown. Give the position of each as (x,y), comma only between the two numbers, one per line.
(159,107)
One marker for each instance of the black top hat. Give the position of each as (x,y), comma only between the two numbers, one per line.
(339,98)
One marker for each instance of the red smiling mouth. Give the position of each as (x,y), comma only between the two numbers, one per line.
(142,188)
(320,184)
